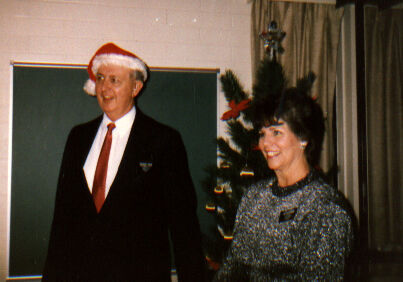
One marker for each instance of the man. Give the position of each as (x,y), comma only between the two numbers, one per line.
(124,189)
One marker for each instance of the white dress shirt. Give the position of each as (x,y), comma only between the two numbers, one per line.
(120,135)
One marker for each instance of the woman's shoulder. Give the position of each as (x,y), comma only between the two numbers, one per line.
(258,187)
(324,198)
(318,188)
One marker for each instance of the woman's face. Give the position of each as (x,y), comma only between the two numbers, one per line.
(282,149)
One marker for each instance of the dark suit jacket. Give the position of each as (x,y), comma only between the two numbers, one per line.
(129,239)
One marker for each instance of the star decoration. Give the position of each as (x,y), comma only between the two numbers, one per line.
(272,39)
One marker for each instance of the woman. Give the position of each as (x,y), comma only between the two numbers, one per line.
(294,226)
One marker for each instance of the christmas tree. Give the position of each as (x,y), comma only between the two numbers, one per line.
(241,163)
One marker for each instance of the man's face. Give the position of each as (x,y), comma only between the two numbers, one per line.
(115,90)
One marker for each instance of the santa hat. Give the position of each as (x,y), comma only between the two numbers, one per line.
(112,54)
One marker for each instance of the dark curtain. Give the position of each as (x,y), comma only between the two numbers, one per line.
(384,83)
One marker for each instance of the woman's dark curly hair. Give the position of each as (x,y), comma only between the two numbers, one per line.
(302,114)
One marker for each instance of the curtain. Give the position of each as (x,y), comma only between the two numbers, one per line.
(312,36)
(384,82)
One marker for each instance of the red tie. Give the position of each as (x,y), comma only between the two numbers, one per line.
(98,188)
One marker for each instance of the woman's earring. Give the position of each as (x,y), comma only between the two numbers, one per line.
(303,144)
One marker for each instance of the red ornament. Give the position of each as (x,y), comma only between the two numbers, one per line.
(213,264)
(255,147)
(235,109)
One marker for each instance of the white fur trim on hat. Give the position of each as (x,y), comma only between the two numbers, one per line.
(89,87)
(120,60)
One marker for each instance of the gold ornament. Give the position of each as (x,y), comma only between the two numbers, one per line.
(219,189)
(225,235)
(224,164)
(247,171)
(210,207)
(223,187)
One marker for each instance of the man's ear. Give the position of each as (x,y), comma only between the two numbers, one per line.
(138,85)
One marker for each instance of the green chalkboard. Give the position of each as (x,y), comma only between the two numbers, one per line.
(48,101)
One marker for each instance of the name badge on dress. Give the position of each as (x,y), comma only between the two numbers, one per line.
(287,215)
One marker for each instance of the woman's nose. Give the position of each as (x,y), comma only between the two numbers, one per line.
(266,140)
(263,142)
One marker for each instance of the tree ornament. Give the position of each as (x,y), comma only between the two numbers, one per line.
(213,264)
(235,109)
(218,189)
(224,164)
(272,40)
(227,235)
(210,207)
(227,188)
(255,147)
(220,211)
(247,171)
(223,187)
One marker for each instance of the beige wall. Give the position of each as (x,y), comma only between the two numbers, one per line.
(165,33)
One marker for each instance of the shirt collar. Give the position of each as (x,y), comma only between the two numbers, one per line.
(288,190)
(123,124)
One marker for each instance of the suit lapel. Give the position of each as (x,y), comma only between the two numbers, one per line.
(88,136)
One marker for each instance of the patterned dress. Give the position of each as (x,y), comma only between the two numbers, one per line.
(299,232)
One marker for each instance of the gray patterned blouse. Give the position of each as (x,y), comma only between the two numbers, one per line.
(299,232)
